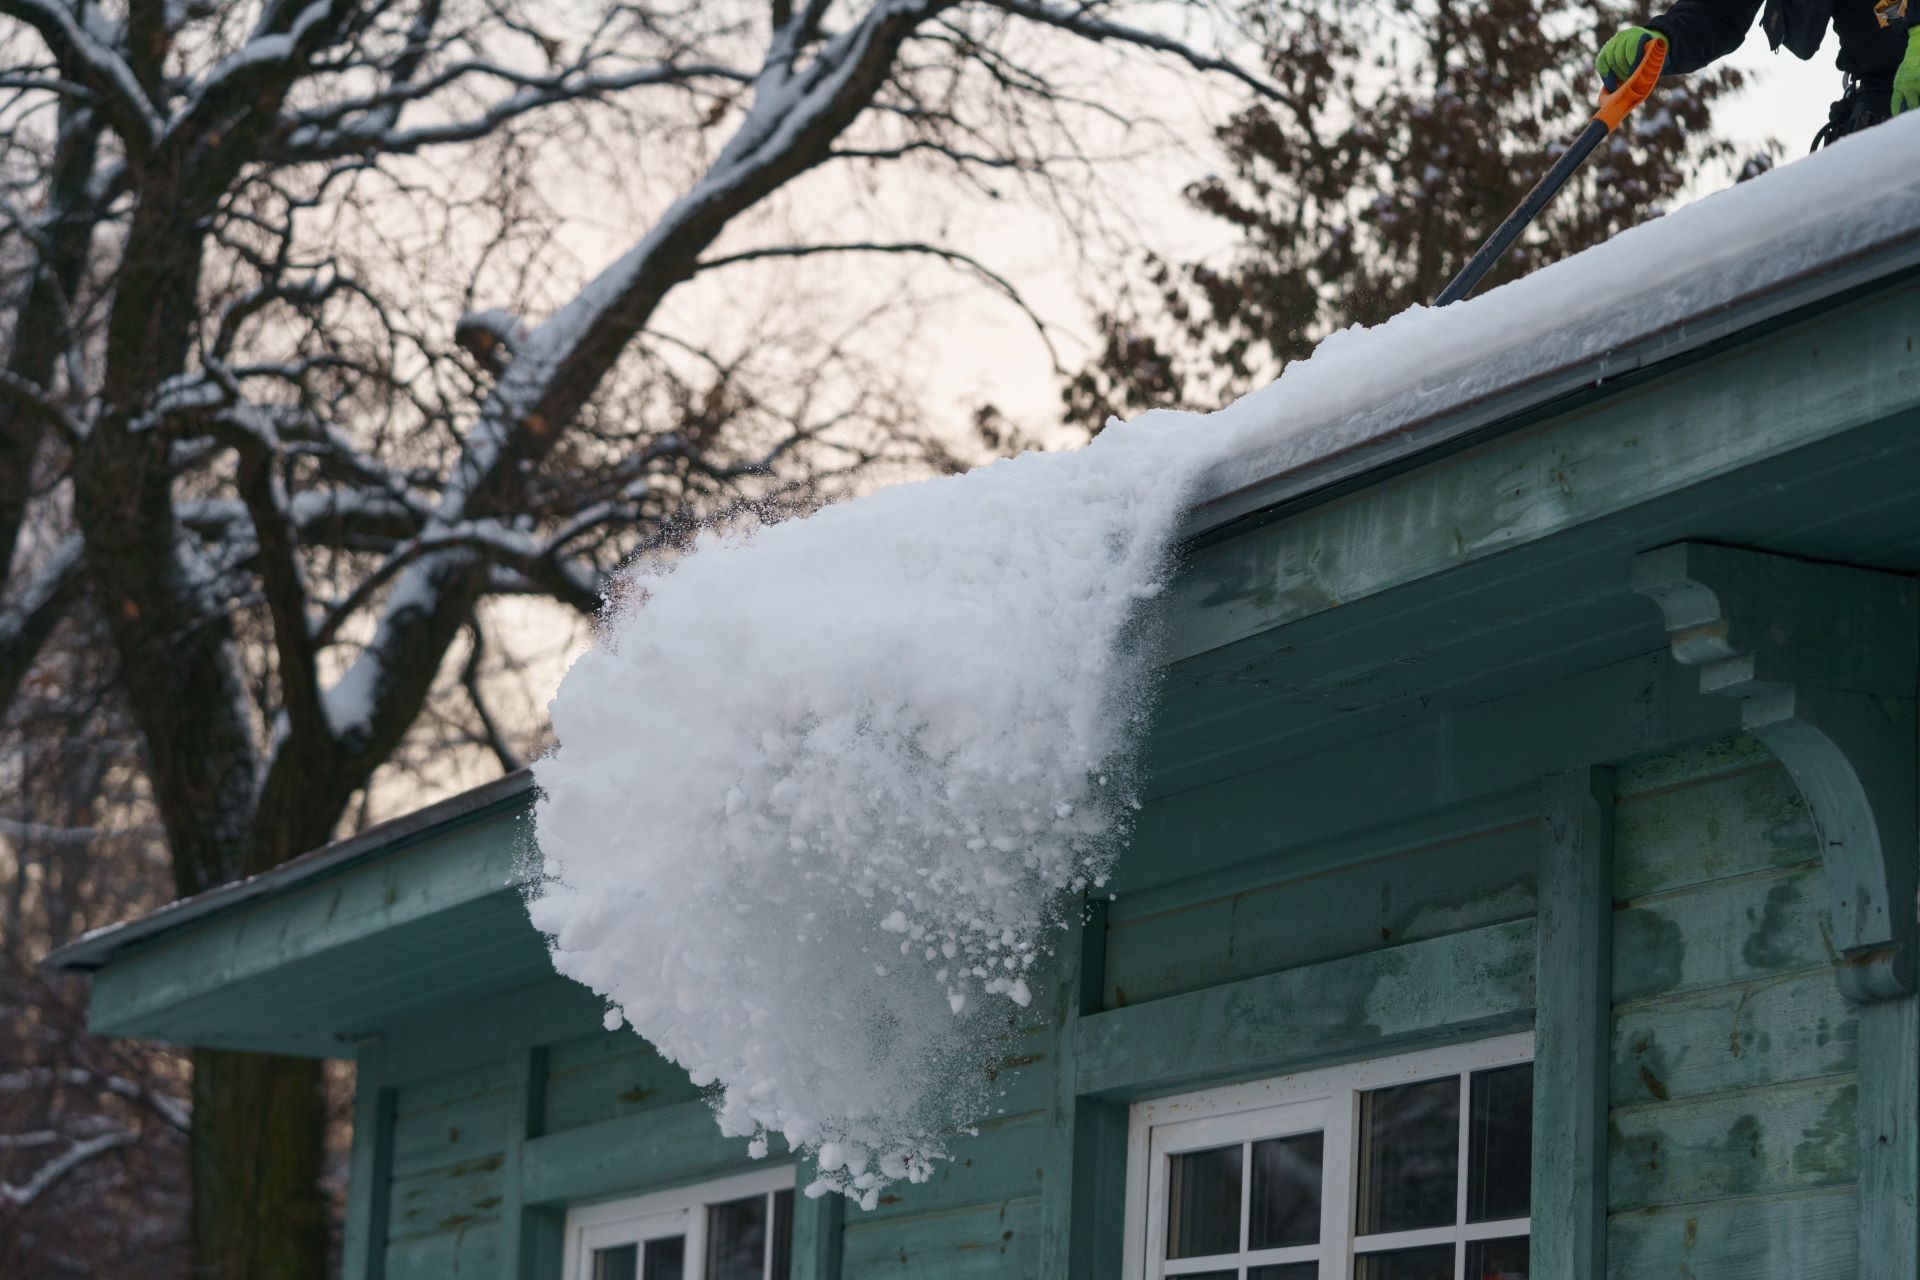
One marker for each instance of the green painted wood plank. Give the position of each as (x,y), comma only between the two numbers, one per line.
(1080,1235)
(450,1119)
(446,1199)
(1569,1213)
(999,1240)
(1689,763)
(1345,789)
(663,1147)
(1800,1237)
(1753,820)
(369,1169)
(1726,931)
(1738,1037)
(819,1225)
(1770,395)
(1481,878)
(1753,1142)
(450,1135)
(1889,1134)
(532,1237)
(1007,1158)
(436,875)
(462,1036)
(450,1255)
(1476,982)
(610,1075)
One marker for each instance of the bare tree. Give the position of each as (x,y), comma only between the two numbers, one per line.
(278,419)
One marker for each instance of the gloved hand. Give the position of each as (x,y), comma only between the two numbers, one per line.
(1620,55)
(1906,81)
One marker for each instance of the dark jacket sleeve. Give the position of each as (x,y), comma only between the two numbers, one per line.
(1703,31)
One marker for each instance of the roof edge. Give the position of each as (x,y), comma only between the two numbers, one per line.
(99,947)
(1884,264)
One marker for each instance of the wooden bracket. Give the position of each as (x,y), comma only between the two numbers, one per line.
(1822,658)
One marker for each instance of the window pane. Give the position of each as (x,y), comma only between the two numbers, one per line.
(1208,1275)
(1500,1142)
(666,1258)
(618,1263)
(1497,1259)
(782,1234)
(1203,1203)
(1433,1263)
(1285,1271)
(737,1239)
(1286,1193)
(1409,1156)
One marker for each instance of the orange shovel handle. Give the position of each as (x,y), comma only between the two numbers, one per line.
(1634,90)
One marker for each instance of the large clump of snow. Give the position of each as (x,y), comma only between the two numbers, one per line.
(821,791)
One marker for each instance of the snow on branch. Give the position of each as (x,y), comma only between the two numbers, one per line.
(168,1109)
(370,123)
(22,1194)
(36,609)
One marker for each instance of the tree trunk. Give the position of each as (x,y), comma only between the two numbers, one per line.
(259,1212)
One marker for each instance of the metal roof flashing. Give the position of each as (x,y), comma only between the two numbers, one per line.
(101,946)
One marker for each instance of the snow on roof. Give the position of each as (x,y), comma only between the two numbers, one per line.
(1779,240)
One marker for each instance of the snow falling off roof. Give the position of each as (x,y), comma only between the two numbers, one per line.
(820,798)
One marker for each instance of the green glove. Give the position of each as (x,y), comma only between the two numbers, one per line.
(1906,81)
(1620,55)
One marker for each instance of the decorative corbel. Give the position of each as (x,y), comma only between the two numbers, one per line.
(1822,658)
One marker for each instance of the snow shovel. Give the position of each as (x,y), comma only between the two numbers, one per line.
(1615,103)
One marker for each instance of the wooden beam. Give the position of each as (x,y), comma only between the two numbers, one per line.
(532,1237)
(819,1224)
(659,1147)
(1475,983)
(1572,1026)
(1086,1161)
(363,1254)
(1889,1138)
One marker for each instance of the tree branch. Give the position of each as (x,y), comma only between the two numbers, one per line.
(86,60)
(953,256)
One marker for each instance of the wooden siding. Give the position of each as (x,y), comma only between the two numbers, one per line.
(1734,1146)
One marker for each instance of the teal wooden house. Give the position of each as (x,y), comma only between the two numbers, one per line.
(1525,888)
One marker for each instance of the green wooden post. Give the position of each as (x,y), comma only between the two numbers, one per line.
(817,1225)
(1889,1122)
(1572,1026)
(1080,1220)
(532,1237)
(363,1254)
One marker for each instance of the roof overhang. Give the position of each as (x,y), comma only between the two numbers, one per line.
(414,914)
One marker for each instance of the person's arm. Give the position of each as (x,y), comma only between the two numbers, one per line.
(1703,31)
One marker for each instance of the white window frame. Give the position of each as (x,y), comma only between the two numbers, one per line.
(678,1211)
(1327,1100)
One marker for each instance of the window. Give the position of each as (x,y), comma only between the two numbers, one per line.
(734,1229)
(1410,1168)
